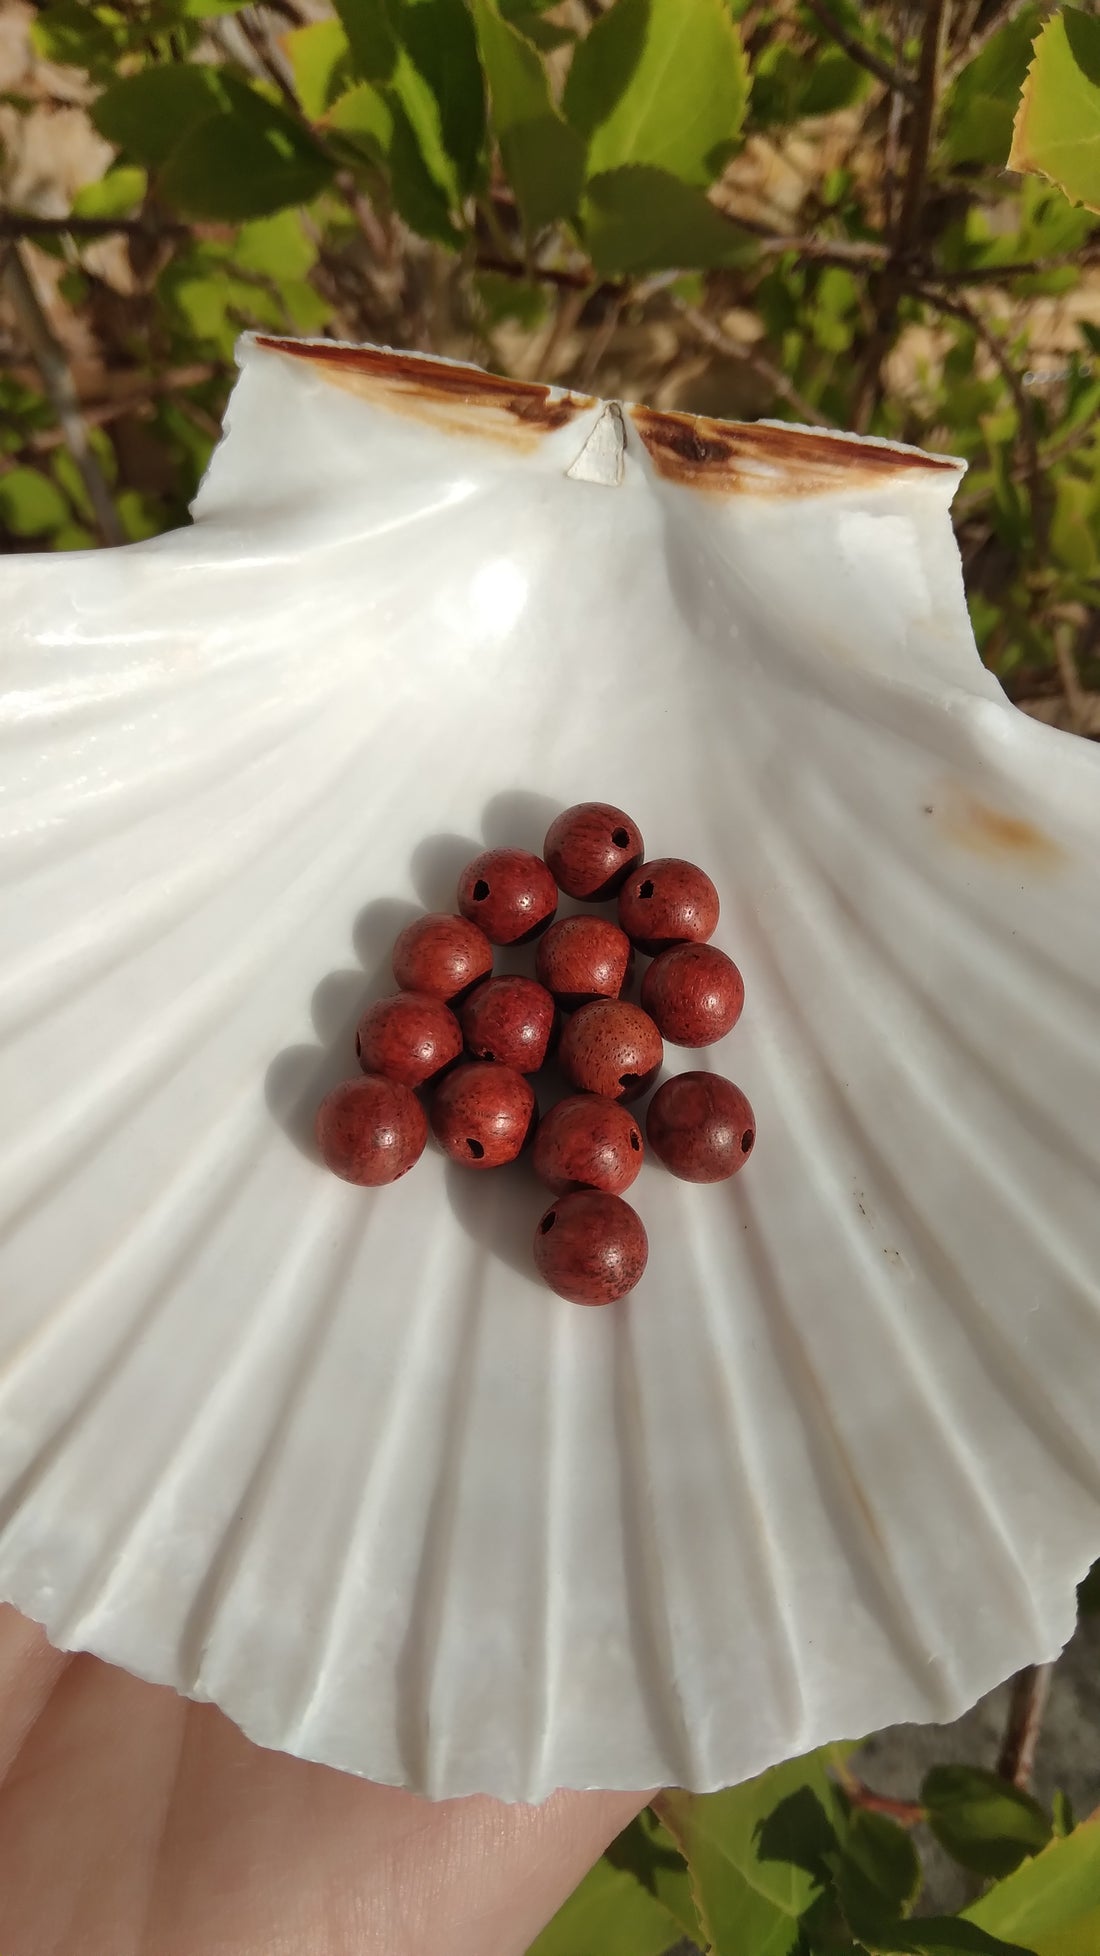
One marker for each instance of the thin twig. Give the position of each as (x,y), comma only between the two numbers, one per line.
(1077,701)
(1030,1691)
(711,335)
(906,235)
(908,1813)
(858,50)
(24,226)
(1088,254)
(601,336)
(257,41)
(50,359)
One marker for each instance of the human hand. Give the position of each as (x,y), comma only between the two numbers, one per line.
(135,1823)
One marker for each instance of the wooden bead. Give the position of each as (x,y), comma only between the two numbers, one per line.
(370,1130)
(482,1114)
(694,994)
(511,1020)
(613,1048)
(588,1142)
(668,902)
(590,1247)
(410,1037)
(509,893)
(581,958)
(442,955)
(591,848)
(701,1127)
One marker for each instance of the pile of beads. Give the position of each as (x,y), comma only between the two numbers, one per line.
(472,1039)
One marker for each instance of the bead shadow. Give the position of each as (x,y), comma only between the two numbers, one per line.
(436,865)
(517,819)
(299,1077)
(499,1210)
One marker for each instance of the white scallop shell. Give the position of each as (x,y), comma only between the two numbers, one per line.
(333,1459)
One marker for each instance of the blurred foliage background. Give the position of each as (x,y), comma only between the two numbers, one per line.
(791,208)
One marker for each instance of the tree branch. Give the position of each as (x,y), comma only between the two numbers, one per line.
(907,228)
(858,50)
(1030,1691)
(50,359)
(26,226)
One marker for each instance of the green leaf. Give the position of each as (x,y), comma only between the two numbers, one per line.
(834,82)
(1062,1813)
(1051,1903)
(977,114)
(247,163)
(371,38)
(74,34)
(543,156)
(749,1895)
(610,1914)
(639,219)
(319,60)
(660,82)
(411,94)
(365,117)
(148,114)
(1057,127)
(438,36)
(500,298)
(419,198)
(207,9)
(115,195)
(942,1936)
(30,504)
(647,1850)
(883,1858)
(984,1823)
(276,246)
(1074,528)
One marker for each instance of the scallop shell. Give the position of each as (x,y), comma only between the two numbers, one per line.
(333,1459)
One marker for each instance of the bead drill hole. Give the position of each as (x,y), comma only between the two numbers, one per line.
(629,1080)
(481,890)
(645,891)
(620,838)
(747,1140)
(546,1223)
(475,1148)
(635,1143)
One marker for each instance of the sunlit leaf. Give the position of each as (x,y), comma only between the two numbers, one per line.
(977,116)
(1052,1903)
(371,38)
(438,36)
(610,1914)
(659,82)
(250,161)
(115,195)
(1057,128)
(319,59)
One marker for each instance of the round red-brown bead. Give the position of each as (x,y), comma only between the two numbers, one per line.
(613,1048)
(588,1142)
(509,893)
(370,1130)
(581,958)
(482,1114)
(668,902)
(590,1247)
(511,1020)
(591,848)
(442,955)
(410,1037)
(694,994)
(701,1127)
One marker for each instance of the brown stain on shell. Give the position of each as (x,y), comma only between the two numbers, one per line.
(977,826)
(457,400)
(751,458)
